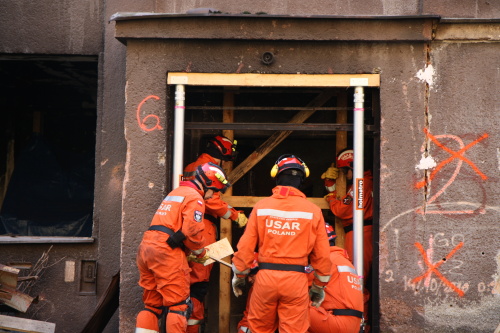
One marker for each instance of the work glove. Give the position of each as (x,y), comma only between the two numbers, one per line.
(242,220)
(238,283)
(317,295)
(331,173)
(199,256)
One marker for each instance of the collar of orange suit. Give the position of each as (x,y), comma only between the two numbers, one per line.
(285,191)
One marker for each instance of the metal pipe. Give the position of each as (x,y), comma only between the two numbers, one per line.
(178,135)
(358,210)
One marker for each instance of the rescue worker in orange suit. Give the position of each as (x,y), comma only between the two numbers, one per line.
(176,229)
(343,209)
(342,309)
(218,149)
(289,233)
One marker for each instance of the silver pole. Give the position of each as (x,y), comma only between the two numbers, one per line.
(178,135)
(358,211)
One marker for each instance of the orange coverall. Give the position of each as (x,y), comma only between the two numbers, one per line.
(342,292)
(164,272)
(287,229)
(200,274)
(342,208)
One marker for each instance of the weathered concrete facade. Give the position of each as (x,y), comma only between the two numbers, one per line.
(439,259)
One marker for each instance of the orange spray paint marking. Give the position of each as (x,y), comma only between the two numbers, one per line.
(433,268)
(142,122)
(454,154)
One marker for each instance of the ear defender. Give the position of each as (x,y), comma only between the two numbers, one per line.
(274,170)
(299,166)
(306,169)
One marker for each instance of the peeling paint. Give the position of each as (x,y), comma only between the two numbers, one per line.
(496,277)
(162,158)
(498,158)
(426,75)
(426,162)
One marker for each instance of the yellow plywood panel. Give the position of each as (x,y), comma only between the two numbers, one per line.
(275,80)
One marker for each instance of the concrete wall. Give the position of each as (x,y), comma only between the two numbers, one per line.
(450,139)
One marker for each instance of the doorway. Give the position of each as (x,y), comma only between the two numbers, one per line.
(309,116)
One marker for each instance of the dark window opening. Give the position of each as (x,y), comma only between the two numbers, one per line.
(47,146)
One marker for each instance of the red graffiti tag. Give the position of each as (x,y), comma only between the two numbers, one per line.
(454,154)
(433,268)
(142,122)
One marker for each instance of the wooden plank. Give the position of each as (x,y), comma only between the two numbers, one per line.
(274,80)
(277,138)
(248,201)
(219,250)
(226,226)
(18,301)
(8,276)
(340,184)
(26,325)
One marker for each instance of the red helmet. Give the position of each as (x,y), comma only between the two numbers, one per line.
(345,159)
(212,177)
(222,148)
(330,231)
(288,161)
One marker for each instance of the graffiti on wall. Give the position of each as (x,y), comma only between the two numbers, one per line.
(150,122)
(460,156)
(442,263)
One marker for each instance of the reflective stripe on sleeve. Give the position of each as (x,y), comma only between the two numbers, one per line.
(144,330)
(346,269)
(322,278)
(192,322)
(284,214)
(245,329)
(174,198)
(227,215)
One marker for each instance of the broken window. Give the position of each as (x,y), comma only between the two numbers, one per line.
(47,145)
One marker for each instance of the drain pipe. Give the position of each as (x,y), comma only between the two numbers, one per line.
(358,211)
(178,135)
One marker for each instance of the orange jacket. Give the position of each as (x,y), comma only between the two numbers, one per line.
(342,208)
(214,206)
(287,229)
(182,209)
(344,289)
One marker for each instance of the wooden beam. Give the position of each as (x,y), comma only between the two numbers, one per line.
(340,184)
(248,201)
(18,301)
(275,80)
(105,308)
(8,276)
(277,138)
(26,325)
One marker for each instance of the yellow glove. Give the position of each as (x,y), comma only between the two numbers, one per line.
(199,256)
(242,220)
(331,173)
(326,197)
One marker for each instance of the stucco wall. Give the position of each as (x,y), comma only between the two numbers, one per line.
(452,144)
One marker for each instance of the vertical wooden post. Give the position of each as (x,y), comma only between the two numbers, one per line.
(341,143)
(226,227)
